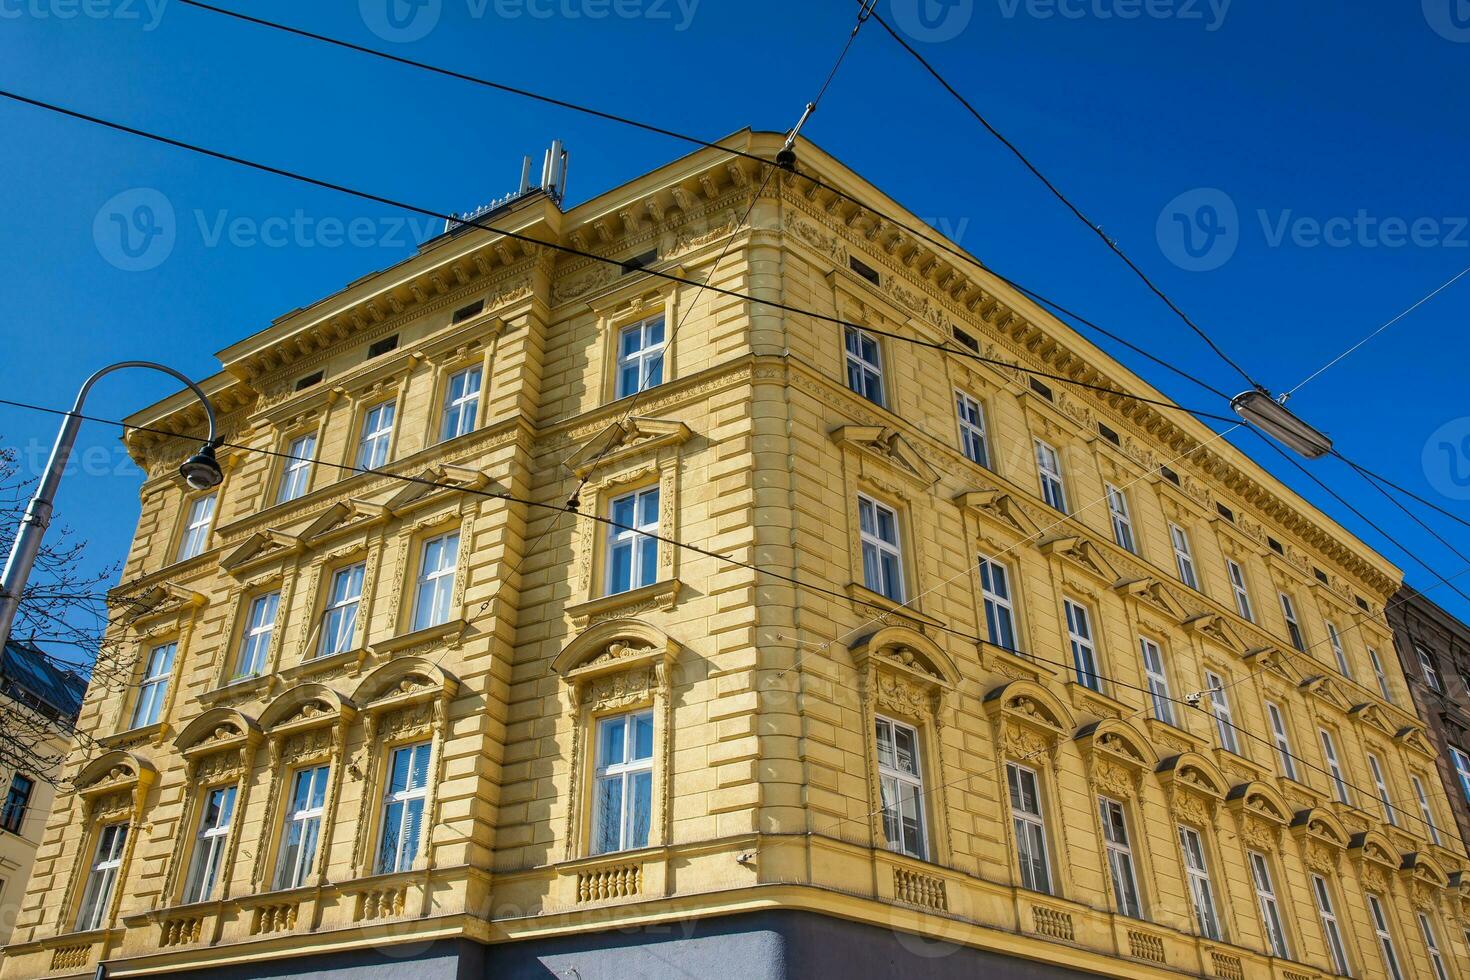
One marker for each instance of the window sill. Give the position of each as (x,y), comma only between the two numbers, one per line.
(1012,663)
(662,596)
(317,665)
(241,688)
(866,599)
(154,733)
(452,632)
(1085,700)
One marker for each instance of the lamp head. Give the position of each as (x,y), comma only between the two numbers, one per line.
(201,471)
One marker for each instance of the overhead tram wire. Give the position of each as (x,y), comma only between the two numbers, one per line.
(571,250)
(925,236)
(1364,471)
(1067,202)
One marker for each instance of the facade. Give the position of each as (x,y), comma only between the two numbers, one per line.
(39,702)
(422,720)
(1434,649)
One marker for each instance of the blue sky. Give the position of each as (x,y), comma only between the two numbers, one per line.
(1328,144)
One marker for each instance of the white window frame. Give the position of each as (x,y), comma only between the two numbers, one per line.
(1334,768)
(307,820)
(1029,828)
(1121,867)
(864,375)
(873,543)
(1201,889)
(409,840)
(1183,556)
(1216,689)
(1425,809)
(1293,625)
(1462,769)
(197,526)
(1281,739)
(102,874)
(1380,675)
(1122,519)
(1334,639)
(643,360)
(1322,894)
(1241,590)
(461,414)
(257,635)
(434,587)
(1083,646)
(1380,784)
(377,435)
(1000,610)
(207,859)
(153,689)
(1049,474)
(892,774)
(973,441)
(1270,909)
(1431,943)
(626,771)
(339,619)
(296,471)
(1155,670)
(1431,672)
(1385,937)
(632,538)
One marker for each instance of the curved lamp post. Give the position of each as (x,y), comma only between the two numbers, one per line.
(201,471)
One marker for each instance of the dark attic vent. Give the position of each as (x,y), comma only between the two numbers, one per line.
(1108,434)
(311,379)
(966,339)
(863,269)
(1321,575)
(1275,545)
(1362,603)
(1169,475)
(465,312)
(380,347)
(1225,512)
(640,261)
(1041,389)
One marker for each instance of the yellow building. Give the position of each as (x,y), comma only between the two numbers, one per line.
(414,719)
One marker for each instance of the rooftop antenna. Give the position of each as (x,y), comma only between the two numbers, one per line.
(554,172)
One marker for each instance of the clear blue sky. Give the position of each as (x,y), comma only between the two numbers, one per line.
(1297,113)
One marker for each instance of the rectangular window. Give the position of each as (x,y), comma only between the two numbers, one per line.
(1330,930)
(102,877)
(1380,785)
(377,434)
(632,556)
(1293,629)
(461,404)
(1030,828)
(1284,757)
(17,801)
(623,795)
(1431,943)
(1425,810)
(156,671)
(1242,594)
(972,429)
(1120,857)
(1121,518)
(339,622)
(1334,768)
(1431,673)
(296,474)
(882,553)
(209,844)
(1385,938)
(864,364)
(303,828)
(1380,675)
(1220,708)
(1049,469)
(1084,653)
(1183,557)
(196,526)
(1462,769)
(436,580)
(1000,615)
(1337,650)
(1158,680)
(1201,892)
(255,642)
(1266,900)
(901,786)
(641,356)
(404,798)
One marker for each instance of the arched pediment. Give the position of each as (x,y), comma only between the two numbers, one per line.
(614,645)
(1118,739)
(1029,702)
(1374,846)
(216,727)
(405,678)
(1420,866)
(909,650)
(305,705)
(1195,772)
(1262,799)
(114,770)
(1320,823)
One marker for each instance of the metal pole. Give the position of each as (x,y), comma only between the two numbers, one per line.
(38,512)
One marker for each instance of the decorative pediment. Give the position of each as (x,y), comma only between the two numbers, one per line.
(1002,509)
(889,446)
(1374,847)
(908,651)
(435,483)
(339,516)
(1327,690)
(161,600)
(113,786)
(1420,868)
(1215,627)
(1029,704)
(402,681)
(261,547)
(1192,771)
(1321,825)
(1118,741)
(614,646)
(305,706)
(1272,659)
(215,730)
(1152,592)
(1412,736)
(1082,553)
(624,438)
(1260,799)
(1375,716)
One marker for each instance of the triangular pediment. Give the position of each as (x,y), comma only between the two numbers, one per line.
(1374,715)
(1001,508)
(1217,628)
(261,546)
(1082,553)
(622,438)
(1152,592)
(340,515)
(1413,737)
(889,446)
(1271,658)
(436,481)
(1327,689)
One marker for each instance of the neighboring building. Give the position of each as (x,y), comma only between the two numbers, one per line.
(38,708)
(420,727)
(1434,649)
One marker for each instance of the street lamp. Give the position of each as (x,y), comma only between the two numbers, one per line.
(1272,416)
(201,471)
